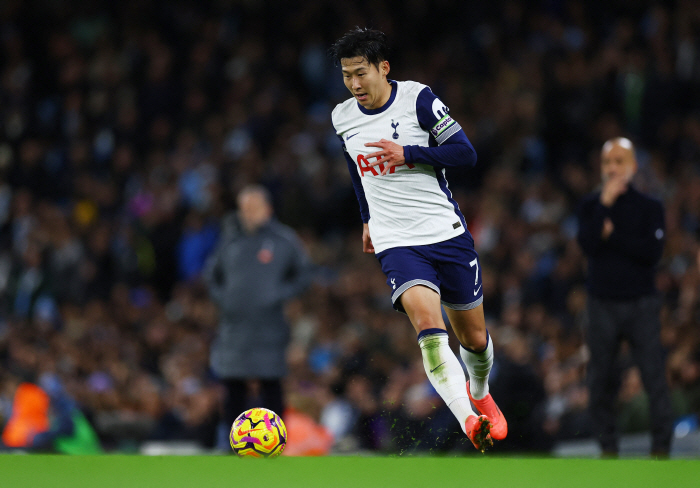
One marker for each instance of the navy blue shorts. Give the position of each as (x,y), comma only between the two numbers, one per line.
(451,268)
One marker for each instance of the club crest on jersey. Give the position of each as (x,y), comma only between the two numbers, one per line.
(394,126)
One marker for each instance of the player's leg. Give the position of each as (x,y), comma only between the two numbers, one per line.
(476,347)
(603,375)
(422,305)
(476,350)
(644,332)
(462,297)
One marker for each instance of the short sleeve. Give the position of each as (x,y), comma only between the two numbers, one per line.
(434,116)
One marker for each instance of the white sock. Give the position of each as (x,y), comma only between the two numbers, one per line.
(445,373)
(478,366)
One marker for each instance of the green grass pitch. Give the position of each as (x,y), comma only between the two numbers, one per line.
(123,471)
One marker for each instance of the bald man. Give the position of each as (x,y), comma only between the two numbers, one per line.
(621,232)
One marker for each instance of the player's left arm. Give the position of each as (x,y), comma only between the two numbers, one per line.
(449,146)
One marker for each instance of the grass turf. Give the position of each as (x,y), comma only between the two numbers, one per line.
(121,471)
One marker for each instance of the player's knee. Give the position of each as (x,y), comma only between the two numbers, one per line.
(476,344)
(474,341)
(426,322)
(423,319)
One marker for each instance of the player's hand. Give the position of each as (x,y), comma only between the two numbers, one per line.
(612,189)
(608,228)
(390,155)
(367,245)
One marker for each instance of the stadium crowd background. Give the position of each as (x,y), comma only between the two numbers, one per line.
(126,129)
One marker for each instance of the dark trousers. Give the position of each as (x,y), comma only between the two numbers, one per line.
(637,321)
(238,397)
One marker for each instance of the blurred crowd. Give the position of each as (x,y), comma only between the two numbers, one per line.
(127,128)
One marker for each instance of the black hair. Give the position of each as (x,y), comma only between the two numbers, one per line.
(364,42)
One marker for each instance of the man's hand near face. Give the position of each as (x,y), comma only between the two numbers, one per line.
(612,189)
(608,228)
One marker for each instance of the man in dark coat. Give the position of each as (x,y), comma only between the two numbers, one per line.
(622,233)
(257,266)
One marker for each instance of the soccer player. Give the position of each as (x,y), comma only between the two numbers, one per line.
(398,139)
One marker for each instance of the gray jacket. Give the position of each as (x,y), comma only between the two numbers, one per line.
(250,276)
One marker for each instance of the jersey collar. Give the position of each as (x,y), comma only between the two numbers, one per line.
(376,111)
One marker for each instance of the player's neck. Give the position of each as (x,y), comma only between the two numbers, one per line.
(385,96)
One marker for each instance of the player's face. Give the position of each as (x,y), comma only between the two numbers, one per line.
(366,82)
(618,162)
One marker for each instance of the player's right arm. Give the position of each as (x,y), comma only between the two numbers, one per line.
(357,184)
(360,194)
(364,208)
(367,245)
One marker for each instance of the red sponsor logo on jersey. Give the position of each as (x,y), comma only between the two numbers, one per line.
(364,166)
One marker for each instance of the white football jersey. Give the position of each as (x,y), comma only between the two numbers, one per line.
(412,204)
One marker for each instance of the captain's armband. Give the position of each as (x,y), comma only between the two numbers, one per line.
(444,128)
